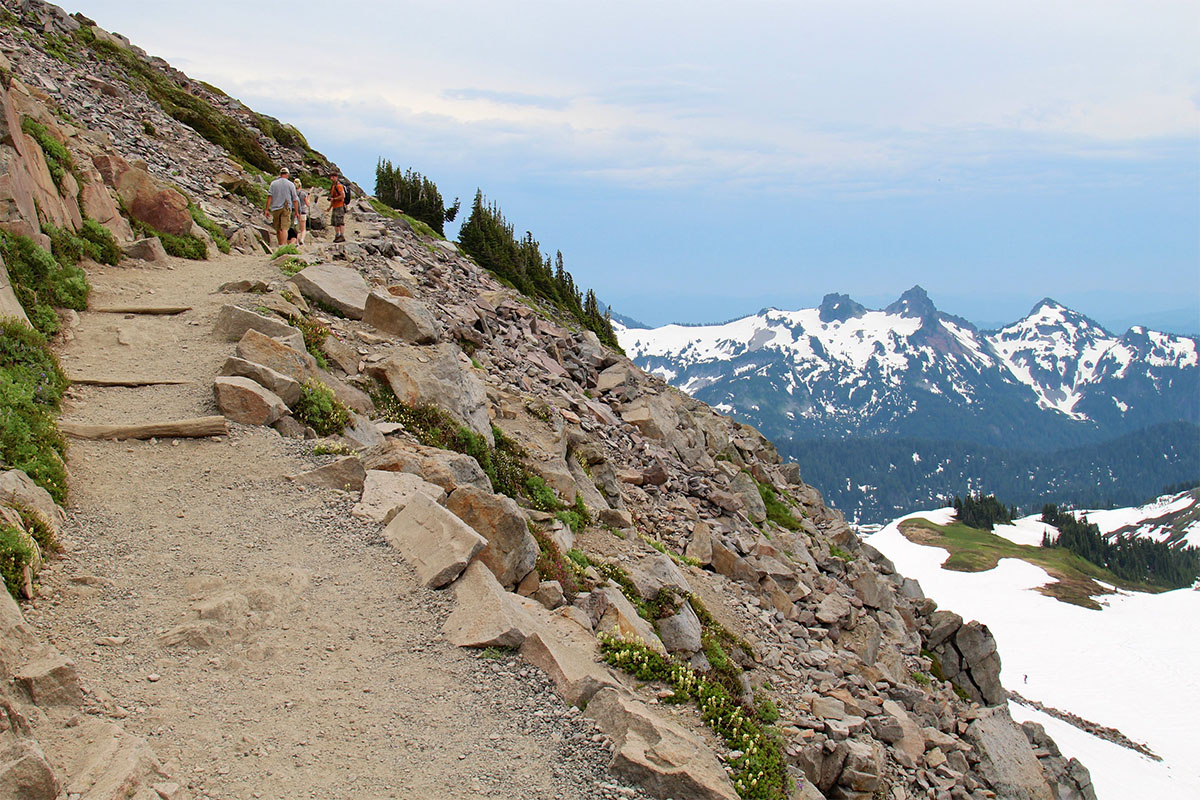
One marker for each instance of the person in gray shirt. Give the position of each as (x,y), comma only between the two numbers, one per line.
(282,204)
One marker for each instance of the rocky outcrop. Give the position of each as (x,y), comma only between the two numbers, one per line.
(967,655)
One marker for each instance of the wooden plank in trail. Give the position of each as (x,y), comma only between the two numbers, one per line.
(181,428)
(153,310)
(131,382)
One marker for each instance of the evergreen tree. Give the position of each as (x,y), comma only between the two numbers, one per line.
(414,194)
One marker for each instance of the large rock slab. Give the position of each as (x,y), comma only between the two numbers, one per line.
(435,376)
(260,348)
(438,544)
(287,388)
(386,493)
(148,249)
(484,614)
(444,468)
(567,654)
(341,288)
(656,754)
(401,316)
(659,571)
(50,679)
(345,473)
(511,551)
(234,321)
(1006,758)
(247,401)
(25,773)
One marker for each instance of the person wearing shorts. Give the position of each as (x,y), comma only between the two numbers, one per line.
(338,195)
(282,203)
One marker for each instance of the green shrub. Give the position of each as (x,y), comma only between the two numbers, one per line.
(319,408)
(576,516)
(104,247)
(291,265)
(26,357)
(777,511)
(213,229)
(15,554)
(58,158)
(552,565)
(286,250)
(41,282)
(29,437)
(540,495)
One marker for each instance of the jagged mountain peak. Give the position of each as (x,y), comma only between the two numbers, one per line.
(914,303)
(839,308)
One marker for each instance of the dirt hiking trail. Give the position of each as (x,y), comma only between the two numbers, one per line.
(266,643)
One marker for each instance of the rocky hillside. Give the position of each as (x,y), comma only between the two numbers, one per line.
(724,631)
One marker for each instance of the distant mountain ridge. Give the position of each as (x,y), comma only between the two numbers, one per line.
(1055,378)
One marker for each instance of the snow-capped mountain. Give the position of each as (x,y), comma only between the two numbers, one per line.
(1050,379)
(1173,518)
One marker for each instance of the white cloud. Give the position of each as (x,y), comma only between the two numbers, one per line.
(768,93)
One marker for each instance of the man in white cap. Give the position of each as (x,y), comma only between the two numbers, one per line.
(282,204)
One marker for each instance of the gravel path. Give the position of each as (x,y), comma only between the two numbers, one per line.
(265,642)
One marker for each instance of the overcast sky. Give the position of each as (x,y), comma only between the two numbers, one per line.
(696,161)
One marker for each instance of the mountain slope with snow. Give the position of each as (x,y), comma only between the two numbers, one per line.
(1133,665)
(1049,380)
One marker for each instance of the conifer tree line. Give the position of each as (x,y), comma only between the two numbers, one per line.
(1128,557)
(981,511)
(489,239)
(414,194)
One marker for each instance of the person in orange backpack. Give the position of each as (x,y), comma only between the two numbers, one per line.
(339,195)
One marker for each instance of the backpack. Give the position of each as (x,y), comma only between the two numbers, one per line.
(345,194)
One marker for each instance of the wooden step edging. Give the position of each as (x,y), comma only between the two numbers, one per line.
(197,427)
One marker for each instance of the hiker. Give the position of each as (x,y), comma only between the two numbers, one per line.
(282,204)
(339,194)
(302,212)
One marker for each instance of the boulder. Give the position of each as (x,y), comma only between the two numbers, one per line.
(659,571)
(341,288)
(1006,758)
(287,388)
(18,489)
(246,240)
(346,473)
(744,487)
(386,493)
(246,401)
(511,550)
(659,756)
(25,773)
(444,468)
(608,609)
(567,654)
(148,249)
(435,376)
(233,322)
(484,614)
(680,633)
(833,609)
(401,316)
(261,349)
(434,541)
(50,679)
(149,200)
